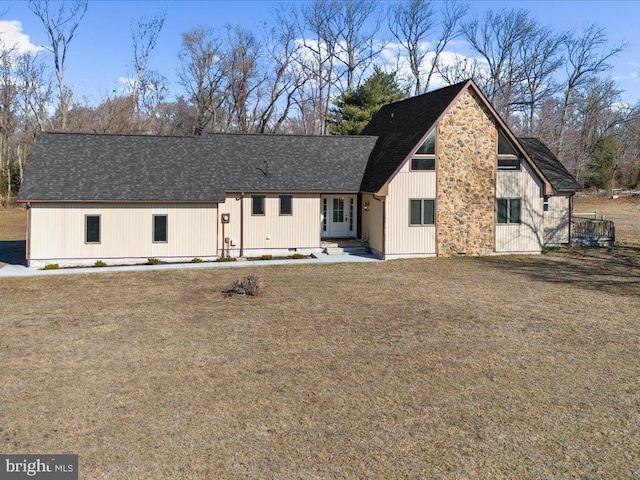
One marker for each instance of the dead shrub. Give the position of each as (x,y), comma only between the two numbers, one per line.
(249,285)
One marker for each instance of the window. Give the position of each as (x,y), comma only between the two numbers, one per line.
(422,212)
(508,163)
(92,229)
(504,146)
(423,163)
(338,210)
(546,203)
(508,158)
(429,145)
(286,204)
(509,210)
(159,228)
(351,214)
(324,214)
(425,156)
(257,204)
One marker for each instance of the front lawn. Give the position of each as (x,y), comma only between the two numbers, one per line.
(500,367)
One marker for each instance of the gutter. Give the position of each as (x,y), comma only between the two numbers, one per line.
(242,224)
(384,225)
(570,216)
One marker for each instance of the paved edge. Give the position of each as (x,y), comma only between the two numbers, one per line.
(16,271)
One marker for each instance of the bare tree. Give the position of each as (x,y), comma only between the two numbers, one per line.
(144,35)
(628,142)
(152,93)
(60,20)
(464,68)
(356,44)
(498,38)
(34,92)
(316,23)
(412,23)
(201,74)
(540,57)
(241,66)
(586,56)
(7,118)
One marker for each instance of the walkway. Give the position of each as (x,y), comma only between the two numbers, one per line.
(22,271)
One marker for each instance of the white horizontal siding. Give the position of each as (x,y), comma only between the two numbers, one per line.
(526,236)
(403,239)
(126,231)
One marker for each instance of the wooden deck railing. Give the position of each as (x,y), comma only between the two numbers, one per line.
(592,233)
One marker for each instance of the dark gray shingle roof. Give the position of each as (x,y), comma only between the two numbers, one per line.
(92,167)
(400,126)
(559,177)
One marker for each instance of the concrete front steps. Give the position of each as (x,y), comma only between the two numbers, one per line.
(346,247)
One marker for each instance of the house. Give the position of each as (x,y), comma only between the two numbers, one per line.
(435,175)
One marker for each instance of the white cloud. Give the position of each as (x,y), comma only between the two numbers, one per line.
(394,58)
(11,36)
(123,85)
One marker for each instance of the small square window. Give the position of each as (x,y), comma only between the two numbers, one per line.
(257,204)
(508,210)
(92,229)
(160,228)
(422,212)
(286,204)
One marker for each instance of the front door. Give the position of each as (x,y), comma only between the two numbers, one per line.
(338,216)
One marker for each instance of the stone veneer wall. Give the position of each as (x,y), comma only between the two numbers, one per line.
(465,202)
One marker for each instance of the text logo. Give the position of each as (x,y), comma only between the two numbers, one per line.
(49,467)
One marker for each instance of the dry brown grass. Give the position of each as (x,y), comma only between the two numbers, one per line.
(502,367)
(13,223)
(625,212)
(13,232)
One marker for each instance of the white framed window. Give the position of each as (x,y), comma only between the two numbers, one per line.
(509,210)
(425,157)
(92,228)
(257,204)
(286,204)
(160,230)
(422,211)
(545,203)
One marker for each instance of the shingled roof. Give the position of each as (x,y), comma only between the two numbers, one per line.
(93,167)
(400,126)
(559,177)
(111,168)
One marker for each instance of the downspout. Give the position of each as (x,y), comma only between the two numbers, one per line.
(242,224)
(384,224)
(359,217)
(384,228)
(570,216)
(28,255)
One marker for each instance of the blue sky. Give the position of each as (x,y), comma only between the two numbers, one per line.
(101,53)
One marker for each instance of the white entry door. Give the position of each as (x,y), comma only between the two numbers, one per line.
(339,216)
